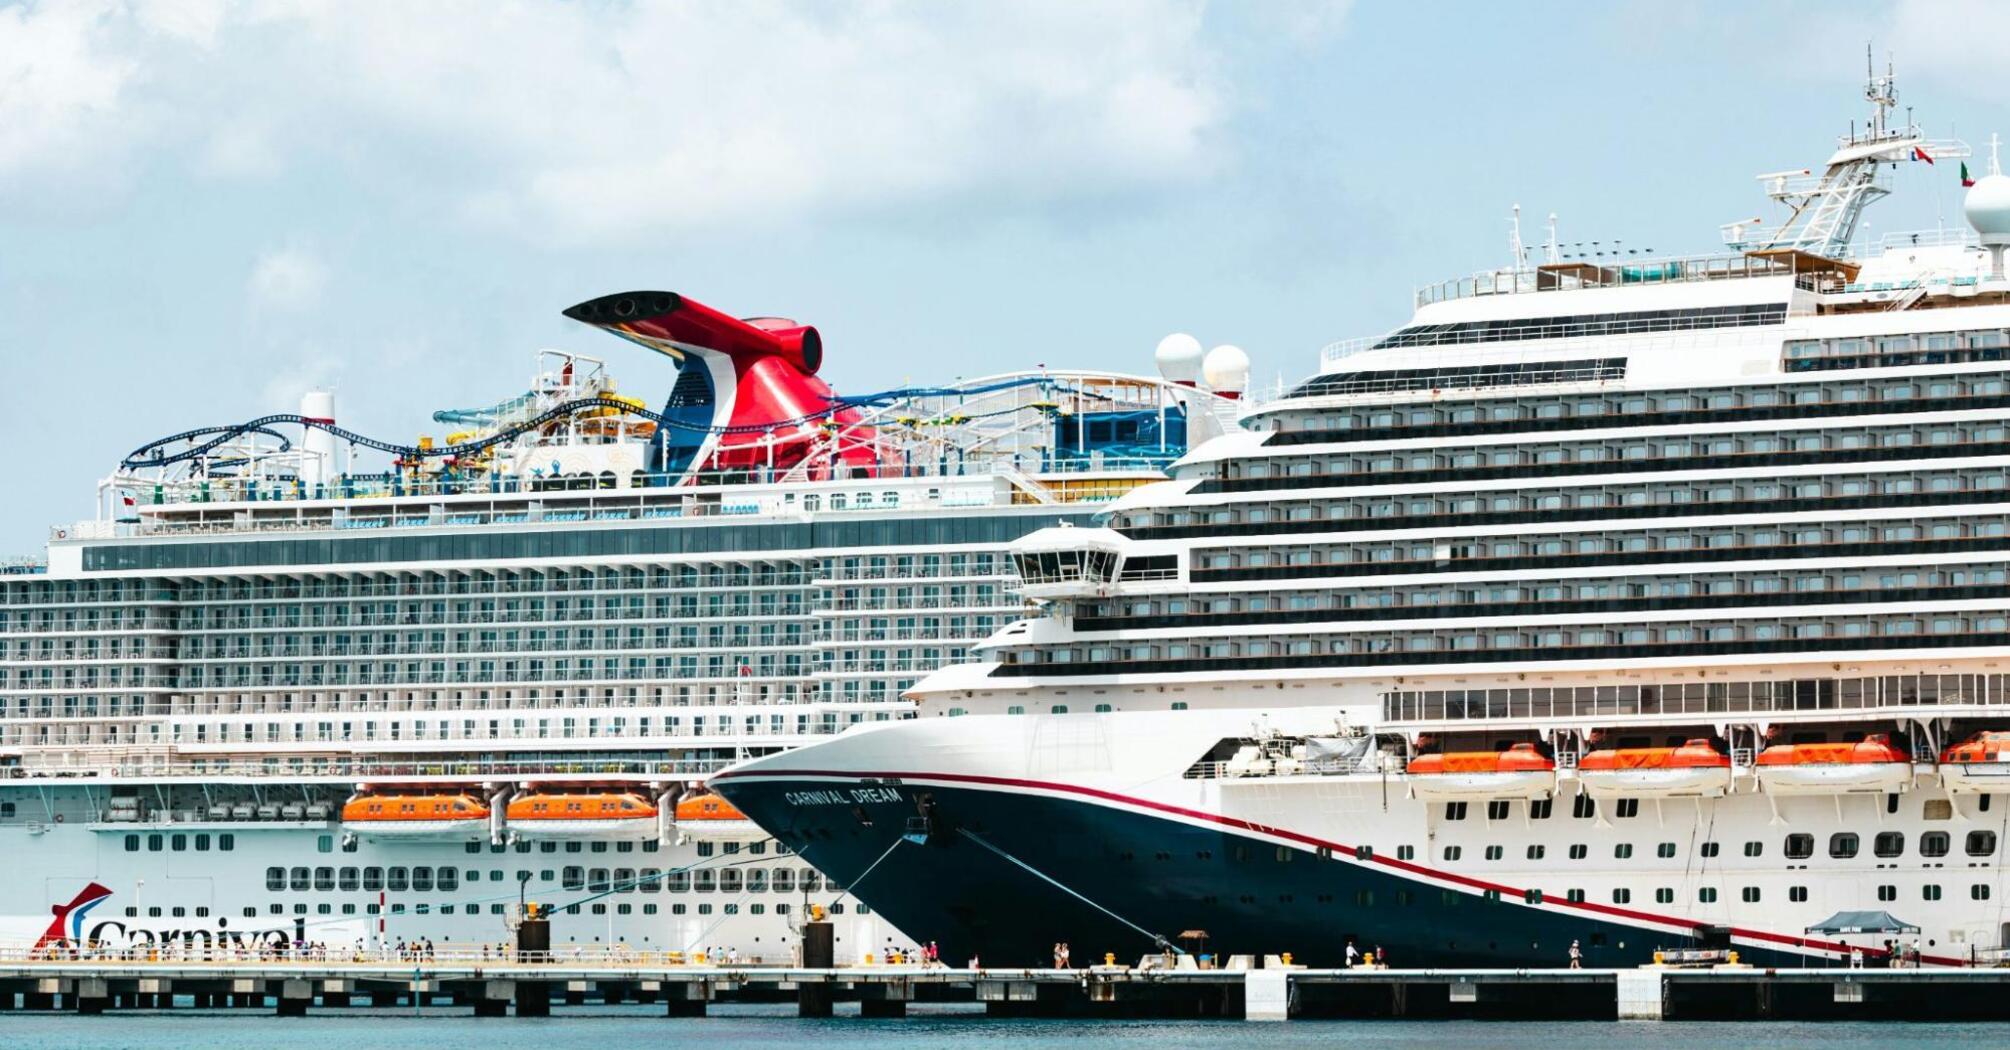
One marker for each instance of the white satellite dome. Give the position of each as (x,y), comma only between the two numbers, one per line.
(1226,369)
(1988,208)
(1178,358)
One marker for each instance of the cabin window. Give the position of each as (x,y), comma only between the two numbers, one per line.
(1623,851)
(1497,809)
(1452,852)
(1800,846)
(1750,895)
(1583,807)
(1978,892)
(1887,893)
(1539,809)
(1934,844)
(1494,852)
(1664,895)
(1888,843)
(1981,843)
(1755,849)
(1929,892)
(1535,852)
(1578,851)
(1843,845)
(1797,894)
(1707,895)
(1665,850)
(1455,811)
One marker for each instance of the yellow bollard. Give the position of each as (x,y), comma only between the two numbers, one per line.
(1285,958)
(1109,958)
(868,958)
(1658,957)
(1732,958)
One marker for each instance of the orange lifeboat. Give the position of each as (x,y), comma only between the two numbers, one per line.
(581,813)
(416,814)
(1520,771)
(1871,765)
(1694,770)
(707,817)
(1977,765)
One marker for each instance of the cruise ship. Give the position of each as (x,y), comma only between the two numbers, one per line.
(277,694)
(1615,604)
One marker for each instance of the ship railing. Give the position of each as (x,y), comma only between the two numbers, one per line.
(490,585)
(1283,766)
(376,500)
(321,766)
(1606,273)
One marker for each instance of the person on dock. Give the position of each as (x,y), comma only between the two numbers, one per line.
(1576,956)
(1353,956)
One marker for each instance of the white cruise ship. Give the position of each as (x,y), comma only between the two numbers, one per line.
(270,698)
(1631,603)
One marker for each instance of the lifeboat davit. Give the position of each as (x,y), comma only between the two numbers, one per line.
(1978,765)
(1871,765)
(1694,770)
(707,817)
(416,814)
(1519,772)
(551,813)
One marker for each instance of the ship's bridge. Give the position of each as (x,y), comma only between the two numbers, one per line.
(1069,562)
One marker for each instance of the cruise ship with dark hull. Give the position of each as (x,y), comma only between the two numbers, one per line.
(1630,601)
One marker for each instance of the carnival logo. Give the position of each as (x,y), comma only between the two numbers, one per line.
(68,923)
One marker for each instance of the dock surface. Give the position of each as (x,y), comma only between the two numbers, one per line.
(504,987)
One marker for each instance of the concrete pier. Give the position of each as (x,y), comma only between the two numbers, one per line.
(1267,992)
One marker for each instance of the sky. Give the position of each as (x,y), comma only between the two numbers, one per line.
(208,207)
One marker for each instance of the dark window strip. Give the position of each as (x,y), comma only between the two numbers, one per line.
(1466,377)
(1433,657)
(1568,561)
(1900,359)
(1657,603)
(1784,505)
(1575,326)
(1671,421)
(1518,471)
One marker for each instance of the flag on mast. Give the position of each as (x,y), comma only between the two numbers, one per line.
(1966,179)
(1919,153)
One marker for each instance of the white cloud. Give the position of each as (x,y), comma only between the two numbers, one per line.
(601,121)
(61,79)
(290,278)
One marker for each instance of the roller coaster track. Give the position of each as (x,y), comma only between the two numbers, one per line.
(157,453)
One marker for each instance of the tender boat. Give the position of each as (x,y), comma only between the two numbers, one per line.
(581,813)
(1694,770)
(1978,765)
(1871,765)
(1520,771)
(416,814)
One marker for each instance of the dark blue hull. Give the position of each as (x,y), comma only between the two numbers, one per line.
(1125,877)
